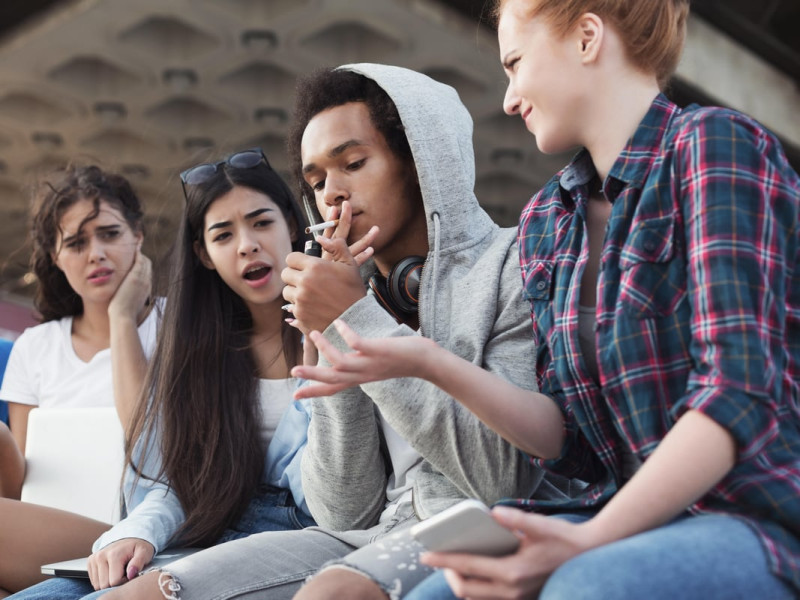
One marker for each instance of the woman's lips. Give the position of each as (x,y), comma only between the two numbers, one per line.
(257,275)
(100,276)
(525,115)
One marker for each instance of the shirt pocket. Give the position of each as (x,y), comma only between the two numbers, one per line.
(653,277)
(538,288)
(538,284)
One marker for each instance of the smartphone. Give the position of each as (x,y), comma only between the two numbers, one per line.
(467,527)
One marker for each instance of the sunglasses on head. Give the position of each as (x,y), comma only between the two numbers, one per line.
(245,159)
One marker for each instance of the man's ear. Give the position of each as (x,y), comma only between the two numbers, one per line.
(200,252)
(590,31)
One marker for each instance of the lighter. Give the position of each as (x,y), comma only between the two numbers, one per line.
(313,248)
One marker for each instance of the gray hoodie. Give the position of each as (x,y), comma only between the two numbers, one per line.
(470,303)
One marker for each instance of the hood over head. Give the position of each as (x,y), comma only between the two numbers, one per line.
(439,132)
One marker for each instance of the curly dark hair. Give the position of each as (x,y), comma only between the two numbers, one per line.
(329,88)
(54,297)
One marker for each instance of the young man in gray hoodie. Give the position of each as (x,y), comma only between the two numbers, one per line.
(387,147)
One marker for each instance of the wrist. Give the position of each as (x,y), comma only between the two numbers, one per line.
(599,531)
(120,317)
(433,365)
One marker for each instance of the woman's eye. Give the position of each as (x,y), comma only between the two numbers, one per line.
(221,237)
(317,187)
(264,223)
(511,65)
(76,245)
(110,234)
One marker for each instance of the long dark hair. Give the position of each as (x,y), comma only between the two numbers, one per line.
(200,395)
(54,297)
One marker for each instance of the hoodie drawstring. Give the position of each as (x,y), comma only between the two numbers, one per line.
(434,273)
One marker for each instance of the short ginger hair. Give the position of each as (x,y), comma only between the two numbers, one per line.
(652,31)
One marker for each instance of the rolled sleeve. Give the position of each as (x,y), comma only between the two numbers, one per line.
(736,260)
(748,421)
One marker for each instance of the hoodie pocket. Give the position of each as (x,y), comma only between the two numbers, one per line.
(653,277)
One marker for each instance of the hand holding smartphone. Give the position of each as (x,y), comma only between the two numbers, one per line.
(467,527)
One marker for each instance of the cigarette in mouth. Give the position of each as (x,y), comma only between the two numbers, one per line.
(321,226)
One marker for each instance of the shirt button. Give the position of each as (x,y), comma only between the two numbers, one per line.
(541,285)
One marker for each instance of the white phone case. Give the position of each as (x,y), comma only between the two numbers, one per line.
(466,527)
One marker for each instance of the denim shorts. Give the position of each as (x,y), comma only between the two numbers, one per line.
(271,509)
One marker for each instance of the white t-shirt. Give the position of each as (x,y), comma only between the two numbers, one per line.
(405,464)
(43,369)
(275,396)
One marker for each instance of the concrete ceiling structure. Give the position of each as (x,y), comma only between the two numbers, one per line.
(149,87)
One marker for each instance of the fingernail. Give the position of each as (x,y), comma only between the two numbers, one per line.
(288,307)
(132,572)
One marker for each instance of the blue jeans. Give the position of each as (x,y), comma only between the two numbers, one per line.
(273,509)
(700,558)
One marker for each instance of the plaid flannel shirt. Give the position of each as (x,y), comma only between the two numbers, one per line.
(698,307)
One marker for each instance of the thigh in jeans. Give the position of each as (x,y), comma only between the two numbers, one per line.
(268,566)
(692,558)
(62,588)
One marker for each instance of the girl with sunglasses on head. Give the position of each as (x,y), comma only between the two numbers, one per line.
(89,351)
(661,266)
(207,464)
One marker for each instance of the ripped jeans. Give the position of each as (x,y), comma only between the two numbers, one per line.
(273,509)
(275,564)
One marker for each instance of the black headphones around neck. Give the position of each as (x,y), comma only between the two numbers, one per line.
(398,292)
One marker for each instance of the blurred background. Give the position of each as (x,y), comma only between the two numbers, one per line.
(149,87)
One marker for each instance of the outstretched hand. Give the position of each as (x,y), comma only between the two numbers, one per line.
(546,543)
(372,360)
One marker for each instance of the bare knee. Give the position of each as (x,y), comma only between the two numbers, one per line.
(151,586)
(340,583)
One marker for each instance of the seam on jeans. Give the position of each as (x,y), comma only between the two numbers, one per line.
(293,517)
(390,526)
(395,592)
